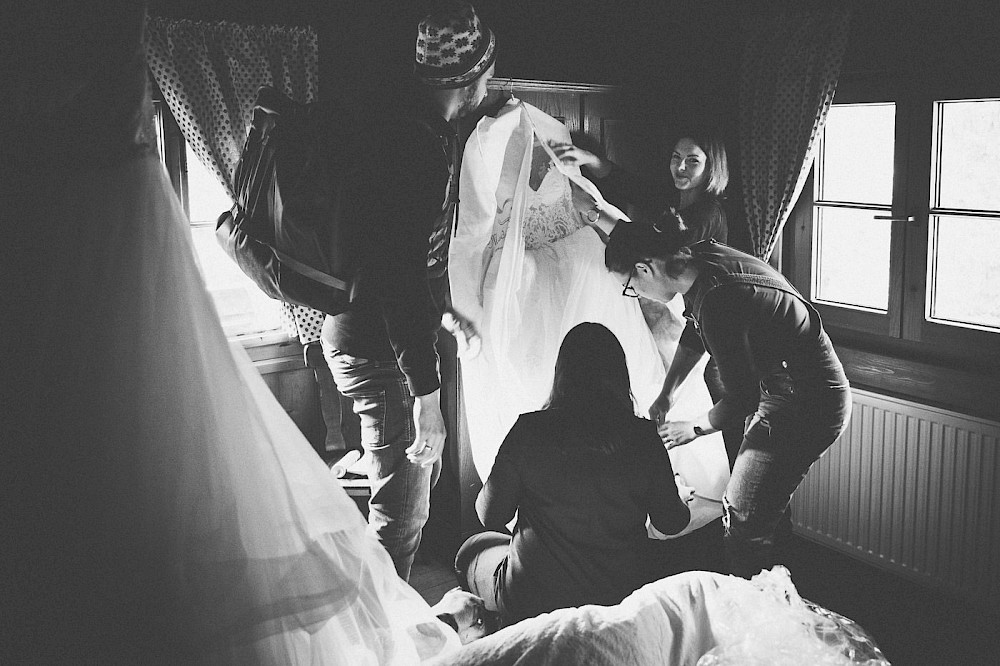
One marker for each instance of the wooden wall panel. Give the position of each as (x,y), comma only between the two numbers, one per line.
(297,392)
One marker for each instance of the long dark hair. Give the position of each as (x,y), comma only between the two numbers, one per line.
(591,380)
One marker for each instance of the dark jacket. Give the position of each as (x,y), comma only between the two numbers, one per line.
(404,284)
(756,333)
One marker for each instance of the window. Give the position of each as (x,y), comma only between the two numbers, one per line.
(964,284)
(853,201)
(898,238)
(243,309)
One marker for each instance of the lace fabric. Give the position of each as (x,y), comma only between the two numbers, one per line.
(549,217)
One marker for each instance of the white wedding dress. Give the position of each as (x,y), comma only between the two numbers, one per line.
(158,504)
(525,268)
(241,534)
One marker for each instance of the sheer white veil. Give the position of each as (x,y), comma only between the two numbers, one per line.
(525,268)
(162,503)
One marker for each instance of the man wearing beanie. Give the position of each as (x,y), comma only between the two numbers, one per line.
(381,351)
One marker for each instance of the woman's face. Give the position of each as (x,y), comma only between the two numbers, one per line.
(688,166)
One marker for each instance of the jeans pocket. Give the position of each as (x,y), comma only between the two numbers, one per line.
(778,384)
(372,409)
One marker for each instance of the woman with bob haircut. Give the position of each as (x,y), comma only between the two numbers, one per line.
(782,379)
(581,475)
(699,171)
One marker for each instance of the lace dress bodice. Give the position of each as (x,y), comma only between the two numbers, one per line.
(549,217)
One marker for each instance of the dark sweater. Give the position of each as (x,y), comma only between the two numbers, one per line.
(398,310)
(705,218)
(581,513)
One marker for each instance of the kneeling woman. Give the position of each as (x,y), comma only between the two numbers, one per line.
(780,374)
(581,475)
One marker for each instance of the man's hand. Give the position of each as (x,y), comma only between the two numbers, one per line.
(464,332)
(428,445)
(660,407)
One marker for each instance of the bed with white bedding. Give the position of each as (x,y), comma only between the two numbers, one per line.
(696,618)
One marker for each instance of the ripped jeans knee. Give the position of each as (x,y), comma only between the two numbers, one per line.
(748,535)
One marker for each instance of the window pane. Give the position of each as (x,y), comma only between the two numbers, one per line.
(207,198)
(969,155)
(852,258)
(157,128)
(242,306)
(856,159)
(964,285)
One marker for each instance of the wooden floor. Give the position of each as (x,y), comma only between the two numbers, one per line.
(431,578)
(913,625)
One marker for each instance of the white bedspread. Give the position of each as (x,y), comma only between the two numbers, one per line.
(666,622)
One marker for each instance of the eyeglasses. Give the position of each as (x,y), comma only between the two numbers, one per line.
(629,290)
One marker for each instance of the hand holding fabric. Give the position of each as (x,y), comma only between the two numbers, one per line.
(684,491)
(677,433)
(660,407)
(464,332)
(571,155)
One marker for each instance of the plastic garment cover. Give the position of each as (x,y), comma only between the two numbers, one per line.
(165,502)
(766,623)
(697,618)
(525,268)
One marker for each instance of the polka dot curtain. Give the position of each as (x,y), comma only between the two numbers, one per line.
(789,70)
(209,74)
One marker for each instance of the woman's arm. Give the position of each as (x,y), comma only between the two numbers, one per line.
(725,325)
(571,155)
(668,513)
(593,212)
(685,358)
(498,500)
(619,185)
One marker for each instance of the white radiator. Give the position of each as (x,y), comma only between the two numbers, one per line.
(912,489)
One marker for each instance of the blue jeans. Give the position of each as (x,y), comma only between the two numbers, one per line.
(400,491)
(788,433)
(479,566)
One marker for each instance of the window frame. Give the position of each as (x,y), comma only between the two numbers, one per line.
(904,325)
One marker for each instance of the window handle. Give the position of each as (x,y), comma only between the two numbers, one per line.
(890,218)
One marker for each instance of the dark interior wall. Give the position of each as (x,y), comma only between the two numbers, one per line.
(675,61)
(672,59)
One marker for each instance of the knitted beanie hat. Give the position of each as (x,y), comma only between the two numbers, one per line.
(453,47)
